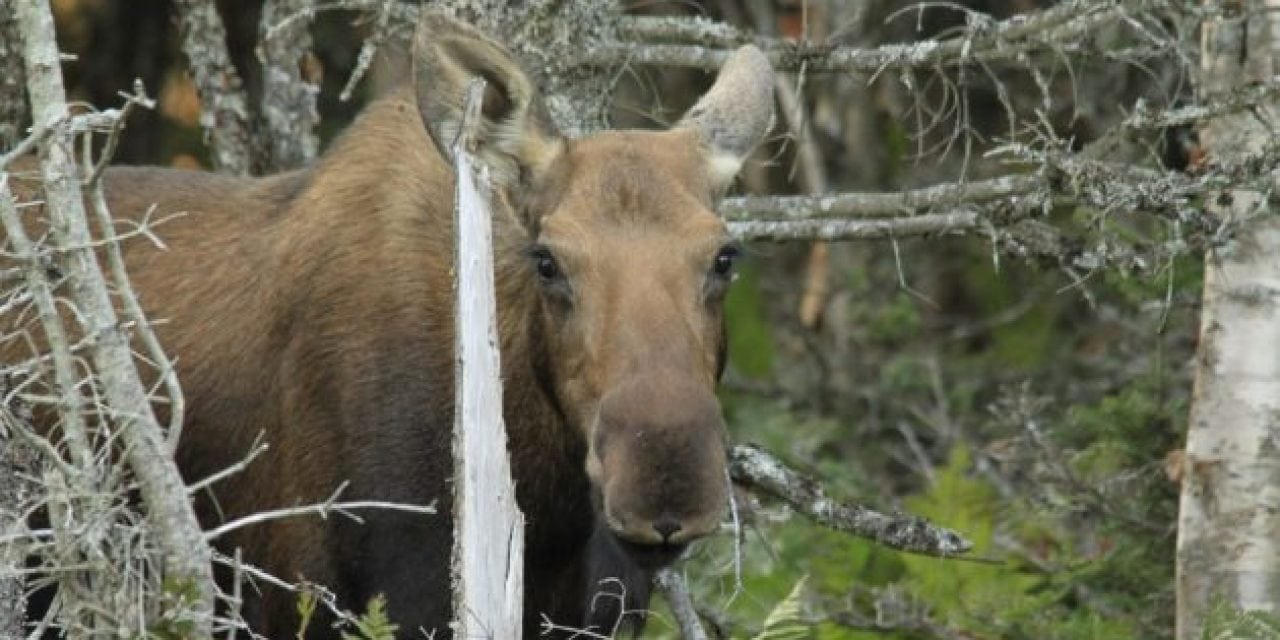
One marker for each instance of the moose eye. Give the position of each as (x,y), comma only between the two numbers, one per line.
(723,264)
(545,263)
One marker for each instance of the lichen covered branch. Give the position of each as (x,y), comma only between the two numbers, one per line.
(289,111)
(984,41)
(756,468)
(224,110)
(676,590)
(854,228)
(880,205)
(185,559)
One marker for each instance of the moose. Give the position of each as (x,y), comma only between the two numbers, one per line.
(314,309)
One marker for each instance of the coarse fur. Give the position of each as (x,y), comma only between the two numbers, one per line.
(315,308)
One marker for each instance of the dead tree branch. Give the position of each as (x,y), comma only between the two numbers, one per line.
(880,205)
(132,309)
(224,110)
(676,590)
(695,29)
(186,558)
(855,229)
(983,41)
(756,468)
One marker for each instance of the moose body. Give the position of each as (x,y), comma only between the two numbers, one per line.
(314,309)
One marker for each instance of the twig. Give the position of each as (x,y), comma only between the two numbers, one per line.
(258,448)
(71,403)
(401,13)
(323,595)
(138,97)
(132,310)
(27,144)
(322,509)
(381,31)
(752,466)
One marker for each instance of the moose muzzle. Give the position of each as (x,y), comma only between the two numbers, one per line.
(659,444)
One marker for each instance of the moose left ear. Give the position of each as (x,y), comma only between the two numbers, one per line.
(735,113)
(515,136)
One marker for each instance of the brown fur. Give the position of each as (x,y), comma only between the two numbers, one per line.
(315,307)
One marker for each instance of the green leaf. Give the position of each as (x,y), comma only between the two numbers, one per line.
(1226,622)
(306,609)
(374,624)
(786,620)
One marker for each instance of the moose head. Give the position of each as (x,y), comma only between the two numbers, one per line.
(631,265)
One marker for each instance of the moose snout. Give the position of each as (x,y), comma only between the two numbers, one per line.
(660,447)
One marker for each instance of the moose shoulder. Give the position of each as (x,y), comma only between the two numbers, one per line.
(315,308)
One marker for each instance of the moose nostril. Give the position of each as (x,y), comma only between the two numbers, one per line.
(666,527)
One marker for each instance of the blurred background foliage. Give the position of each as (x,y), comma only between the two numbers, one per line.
(1024,398)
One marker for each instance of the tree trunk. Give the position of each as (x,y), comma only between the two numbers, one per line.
(1228,547)
(488,528)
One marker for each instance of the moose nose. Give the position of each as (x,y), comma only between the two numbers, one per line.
(666,526)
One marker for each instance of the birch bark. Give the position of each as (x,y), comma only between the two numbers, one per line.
(1229,516)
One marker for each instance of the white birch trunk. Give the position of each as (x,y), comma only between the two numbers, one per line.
(488,548)
(1229,521)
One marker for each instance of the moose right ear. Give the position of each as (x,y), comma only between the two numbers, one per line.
(515,137)
(735,114)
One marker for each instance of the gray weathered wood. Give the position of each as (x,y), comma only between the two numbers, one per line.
(175,529)
(488,552)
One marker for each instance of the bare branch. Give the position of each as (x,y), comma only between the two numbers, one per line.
(70,406)
(1235,100)
(258,448)
(754,467)
(855,229)
(676,590)
(185,556)
(880,205)
(323,510)
(695,29)
(27,144)
(120,277)
(981,42)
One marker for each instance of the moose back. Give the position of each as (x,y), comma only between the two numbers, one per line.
(315,309)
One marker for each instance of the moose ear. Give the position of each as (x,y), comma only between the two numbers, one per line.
(735,114)
(515,137)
